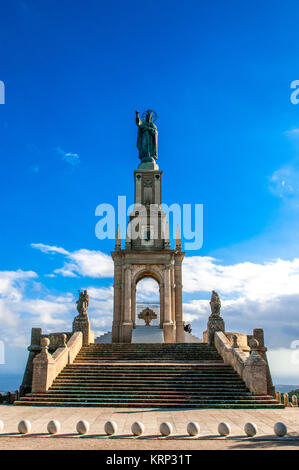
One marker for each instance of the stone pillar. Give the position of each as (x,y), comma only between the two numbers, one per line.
(127,325)
(33,349)
(180,337)
(167,324)
(43,369)
(255,371)
(81,323)
(117,302)
(133,305)
(161,292)
(258,334)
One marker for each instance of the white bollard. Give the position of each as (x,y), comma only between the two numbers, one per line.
(193,429)
(250,429)
(110,428)
(24,426)
(280,429)
(53,426)
(137,428)
(224,429)
(165,429)
(82,426)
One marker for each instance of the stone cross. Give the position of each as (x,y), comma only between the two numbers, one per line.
(147,315)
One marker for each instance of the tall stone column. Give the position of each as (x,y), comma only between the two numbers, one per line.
(180,337)
(161,292)
(127,324)
(167,324)
(133,305)
(117,302)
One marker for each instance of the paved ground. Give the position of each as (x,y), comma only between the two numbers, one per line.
(96,439)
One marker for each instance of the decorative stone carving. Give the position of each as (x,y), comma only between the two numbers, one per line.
(215,303)
(215,322)
(45,343)
(235,341)
(83,302)
(81,321)
(147,315)
(63,340)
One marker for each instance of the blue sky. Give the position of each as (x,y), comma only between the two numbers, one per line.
(218,75)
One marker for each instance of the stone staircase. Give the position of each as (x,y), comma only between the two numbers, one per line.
(149,375)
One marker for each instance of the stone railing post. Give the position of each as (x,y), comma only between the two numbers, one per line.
(33,349)
(294,400)
(43,369)
(82,323)
(255,371)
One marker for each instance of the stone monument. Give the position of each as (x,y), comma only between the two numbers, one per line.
(147,252)
(81,321)
(215,322)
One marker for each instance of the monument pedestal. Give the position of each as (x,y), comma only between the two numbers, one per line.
(81,323)
(126,332)
(180,333)
(169,333)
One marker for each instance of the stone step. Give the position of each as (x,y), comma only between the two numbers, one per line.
(126,400)
(200,393)
(149,375)
(214,405)
(149,387)
(150,380)
(148,395)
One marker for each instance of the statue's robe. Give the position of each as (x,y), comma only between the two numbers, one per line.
(147,140)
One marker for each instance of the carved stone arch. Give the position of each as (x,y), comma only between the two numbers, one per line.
(143,272)
(148,271)
(130,266)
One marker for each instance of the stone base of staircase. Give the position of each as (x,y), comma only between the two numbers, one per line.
(149,376)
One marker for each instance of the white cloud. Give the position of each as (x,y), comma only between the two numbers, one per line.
(82,262)
(284,182)
(293,133)
(147,291)
(253,296)
(284,365)
(12,283)
(71,158)
(49,248)
(254,281)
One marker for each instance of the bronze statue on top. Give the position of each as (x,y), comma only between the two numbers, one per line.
(147,139)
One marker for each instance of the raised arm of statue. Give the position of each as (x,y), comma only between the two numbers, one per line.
(138,120)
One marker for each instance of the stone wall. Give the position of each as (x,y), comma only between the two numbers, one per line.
(251,367)
(46,367)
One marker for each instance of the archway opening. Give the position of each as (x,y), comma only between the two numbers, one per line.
(147,302)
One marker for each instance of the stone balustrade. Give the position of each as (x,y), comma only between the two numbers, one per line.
(250,366)
(46,367)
